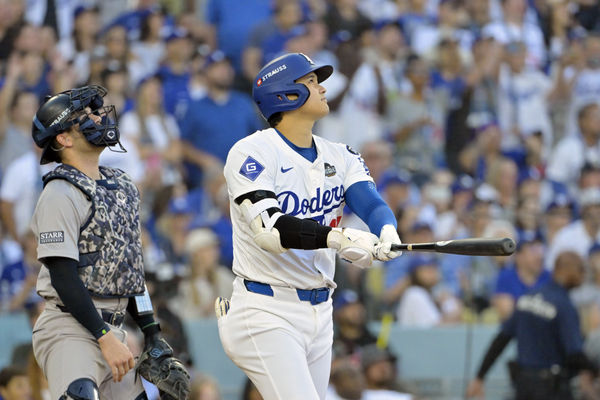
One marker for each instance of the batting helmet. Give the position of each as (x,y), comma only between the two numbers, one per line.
(277,80)
(62,111)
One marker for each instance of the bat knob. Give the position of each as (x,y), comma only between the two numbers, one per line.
(508,246)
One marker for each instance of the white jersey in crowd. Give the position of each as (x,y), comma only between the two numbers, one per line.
(264,161)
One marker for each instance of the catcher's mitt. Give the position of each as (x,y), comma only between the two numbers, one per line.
(158,366)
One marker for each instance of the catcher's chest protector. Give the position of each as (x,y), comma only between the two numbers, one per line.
(110,247)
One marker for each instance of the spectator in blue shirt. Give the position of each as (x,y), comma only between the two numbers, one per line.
(215,122)
(174,73)
(526,274)
(233,21)
(549,341)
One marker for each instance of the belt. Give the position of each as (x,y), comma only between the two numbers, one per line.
(115,318)
(315,296)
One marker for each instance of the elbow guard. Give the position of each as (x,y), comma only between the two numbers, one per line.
(262,224)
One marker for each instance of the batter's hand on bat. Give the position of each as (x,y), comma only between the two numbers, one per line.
(388,237)
(117,355)
(353,245)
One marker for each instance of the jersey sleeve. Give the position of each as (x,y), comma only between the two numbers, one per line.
(61,210)
(356,169)
(249,168)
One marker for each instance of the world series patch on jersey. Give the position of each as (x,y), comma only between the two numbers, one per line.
(303,189)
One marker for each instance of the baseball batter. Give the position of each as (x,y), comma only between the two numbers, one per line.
(287,190)
(88,228)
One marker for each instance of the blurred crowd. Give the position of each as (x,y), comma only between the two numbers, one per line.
(476,118)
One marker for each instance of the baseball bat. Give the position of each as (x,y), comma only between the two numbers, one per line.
(468,247)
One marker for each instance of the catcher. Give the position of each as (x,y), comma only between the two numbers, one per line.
(88,228)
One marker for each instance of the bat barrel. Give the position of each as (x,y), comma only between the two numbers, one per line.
(469,247)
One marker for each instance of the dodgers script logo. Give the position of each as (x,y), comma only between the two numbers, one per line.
(322,203)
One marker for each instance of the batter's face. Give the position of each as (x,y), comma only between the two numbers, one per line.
(316,106)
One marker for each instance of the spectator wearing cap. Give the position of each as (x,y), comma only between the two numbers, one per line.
(580,234)
(572,152)
(452,223)
(174,72)
(418,306)
(350,325)
(397,190)
(167,232)
(527,273)
(397,271)
(381,375)
(204,278)
(448,76)
(558,214)
(268,38)
(155,135)
(215,122)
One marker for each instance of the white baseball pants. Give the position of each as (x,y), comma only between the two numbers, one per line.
(282,343)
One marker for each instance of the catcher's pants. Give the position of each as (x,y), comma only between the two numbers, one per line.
(282,343)
(66,351)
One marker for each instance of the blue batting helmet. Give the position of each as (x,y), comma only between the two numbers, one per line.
(277,79)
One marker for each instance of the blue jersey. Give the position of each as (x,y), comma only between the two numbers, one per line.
(546,326)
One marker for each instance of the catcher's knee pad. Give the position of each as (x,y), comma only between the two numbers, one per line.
(81,389)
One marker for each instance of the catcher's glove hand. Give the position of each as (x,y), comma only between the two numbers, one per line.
(158,366)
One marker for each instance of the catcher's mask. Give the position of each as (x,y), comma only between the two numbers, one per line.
(60,112)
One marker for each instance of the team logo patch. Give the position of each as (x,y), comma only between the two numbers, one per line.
(351,150)
(251,169)
(52,237)
(329,170)
(259,82)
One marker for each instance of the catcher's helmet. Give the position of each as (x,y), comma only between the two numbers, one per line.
(62,111)
(277,79)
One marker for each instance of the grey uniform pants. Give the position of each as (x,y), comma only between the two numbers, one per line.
(66,351)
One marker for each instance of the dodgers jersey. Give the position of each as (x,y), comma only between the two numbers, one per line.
(304,189)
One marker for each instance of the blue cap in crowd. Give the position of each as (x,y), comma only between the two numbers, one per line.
(180,205)
(528,174)
(463,183)
(420,261)
(214,57)
(594,248)
(393,175)
(344,298)
(560,200)
(528,237)
(177,33)
(80,9)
